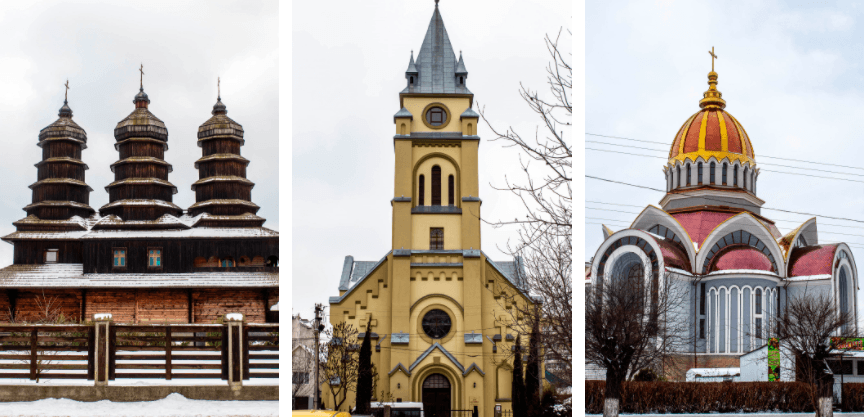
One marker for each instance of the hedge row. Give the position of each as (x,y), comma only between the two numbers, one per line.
(720,397)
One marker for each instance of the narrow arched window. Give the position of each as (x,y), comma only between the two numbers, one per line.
(436,186)
(679,176)
(712,173)
(688,175)
(724,174)
(420,190)
(735,175)
(461,80)
(411,80)
(700,173)
(450,190)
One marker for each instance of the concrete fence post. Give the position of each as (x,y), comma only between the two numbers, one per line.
(101,348)
(234,349)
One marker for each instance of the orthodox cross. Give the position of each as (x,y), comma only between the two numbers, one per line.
(142,75)
(714,57)
(66,94)
(218,88)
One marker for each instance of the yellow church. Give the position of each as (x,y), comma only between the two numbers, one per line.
(440,309)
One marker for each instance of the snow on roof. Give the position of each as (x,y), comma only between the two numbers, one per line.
(810,277)
(72,276)
(744,271)
(713,371)
(199,232)
(275,307)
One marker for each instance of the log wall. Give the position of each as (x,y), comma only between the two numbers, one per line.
(33,251)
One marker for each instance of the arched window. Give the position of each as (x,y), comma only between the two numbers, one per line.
(712,173)
(700,173)
(436,186)
(679,176)
(688,175)
(758,311)
(461,80)
(450,190)
(842,294)
(735,175)
(420,190)
(199,262)
(227,262)
(411,80)
(724,174)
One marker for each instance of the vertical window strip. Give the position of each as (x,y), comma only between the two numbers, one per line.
(450,190)
(420,190)
(436,186)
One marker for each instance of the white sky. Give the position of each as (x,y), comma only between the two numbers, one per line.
(792,75)
(348,69)
(98,46)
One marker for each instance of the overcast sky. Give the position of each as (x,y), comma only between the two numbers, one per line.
(348,70)
(99,46)
(791,74)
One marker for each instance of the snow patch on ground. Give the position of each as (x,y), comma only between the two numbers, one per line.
(173,405)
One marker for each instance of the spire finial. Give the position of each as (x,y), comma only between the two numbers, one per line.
(437,3)
(141,69)
(712,97)
(714,57)
(66,94)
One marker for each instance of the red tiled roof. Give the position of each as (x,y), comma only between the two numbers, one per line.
(812,260)
(741,258)
(673,256)
(699,224)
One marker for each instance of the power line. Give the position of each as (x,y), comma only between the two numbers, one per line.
(762,170)
(763,163)
(723,201)
(762,156)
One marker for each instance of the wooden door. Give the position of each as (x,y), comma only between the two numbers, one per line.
(436,396)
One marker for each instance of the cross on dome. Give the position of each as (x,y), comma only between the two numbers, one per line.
(142,74)
(66,94)
(714,57)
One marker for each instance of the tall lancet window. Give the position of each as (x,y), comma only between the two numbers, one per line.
(724,174)
(436,186)
(450,190)
(712,173)
(688,175)
(735,175)
(679,176)
(700,173)
(745,178)
(420,190)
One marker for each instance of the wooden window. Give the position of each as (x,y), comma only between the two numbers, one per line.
(154,257)
(119,258)
(420,190)
(436,116)
(450,190)
(436,186)
(227,263)
(51,256)
(436,238)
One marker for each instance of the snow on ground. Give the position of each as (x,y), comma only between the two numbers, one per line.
(173,405)
(739,415)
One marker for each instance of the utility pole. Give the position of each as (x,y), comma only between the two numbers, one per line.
(318,328)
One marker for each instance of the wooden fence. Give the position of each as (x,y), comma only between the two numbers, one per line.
(140,351)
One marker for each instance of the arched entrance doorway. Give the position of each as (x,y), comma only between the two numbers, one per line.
(436,396)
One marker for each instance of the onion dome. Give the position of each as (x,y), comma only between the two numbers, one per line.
(140,190)
(60,192)
(712,132)
(223,193)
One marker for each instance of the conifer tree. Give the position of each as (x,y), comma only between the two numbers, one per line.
(364,373)
(518,389)
(533,380)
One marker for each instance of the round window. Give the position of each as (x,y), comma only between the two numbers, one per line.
(436,116)
(436,324)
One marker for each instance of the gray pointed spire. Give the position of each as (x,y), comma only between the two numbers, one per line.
(412,68)
(461,67)
(436,61)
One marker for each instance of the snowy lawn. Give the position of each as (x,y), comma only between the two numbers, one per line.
(739,415)
(173,405)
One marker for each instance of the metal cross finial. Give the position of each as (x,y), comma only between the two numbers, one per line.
(66,94)
(142,75)
(714,57)
(218,88)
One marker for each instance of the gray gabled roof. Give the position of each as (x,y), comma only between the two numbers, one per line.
(441,348)
(436,62)
(469,113)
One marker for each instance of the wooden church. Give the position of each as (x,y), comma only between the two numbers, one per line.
(141,257)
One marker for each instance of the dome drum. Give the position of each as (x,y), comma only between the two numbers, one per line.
(126,192)
(132,149)
(224,207)
(211,168)
(711,172)
(64,169)
(215,192)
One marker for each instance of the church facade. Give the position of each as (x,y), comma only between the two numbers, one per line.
(440,324)
(141,257)
(736,268)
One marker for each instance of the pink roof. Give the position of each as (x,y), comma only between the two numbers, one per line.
(743,257)
(673,256)
(699,224)
(812,260)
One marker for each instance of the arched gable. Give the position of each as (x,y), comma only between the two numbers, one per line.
(651,215)
(808,232)
(641,242)
(742,221)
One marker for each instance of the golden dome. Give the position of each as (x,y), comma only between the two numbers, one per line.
(712,132)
